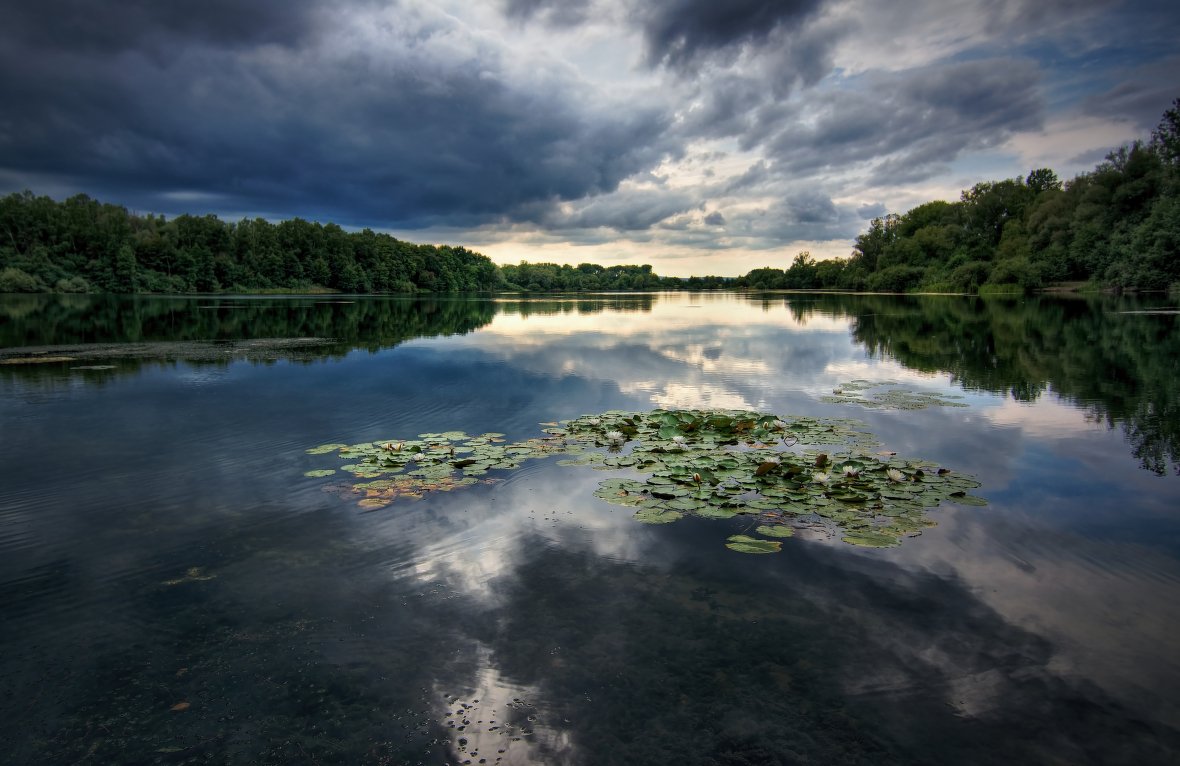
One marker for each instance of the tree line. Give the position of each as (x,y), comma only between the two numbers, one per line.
(1117,226)
(81,245)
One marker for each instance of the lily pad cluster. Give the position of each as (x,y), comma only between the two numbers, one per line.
(885,395)
(433,462)
(781,473)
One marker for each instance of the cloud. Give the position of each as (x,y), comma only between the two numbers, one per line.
(909,125)
(553,12)
(683,32)
(84,25)
(1141,95)
(625,210)
(398,118)
(684,123)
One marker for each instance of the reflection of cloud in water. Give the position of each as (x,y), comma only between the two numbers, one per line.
(687,396)
(472,537)
(1047,418)
(713,359)
(498,721)
(722,357)
(1109,609)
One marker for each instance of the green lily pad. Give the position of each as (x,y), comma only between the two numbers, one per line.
(708,463)
(324,449)
(656,516)
(964,499)
(745,544)
(319,473)
(869,539)
(877,395)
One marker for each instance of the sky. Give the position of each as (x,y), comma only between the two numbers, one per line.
(698,136)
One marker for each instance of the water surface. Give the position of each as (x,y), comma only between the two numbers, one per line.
(174,590)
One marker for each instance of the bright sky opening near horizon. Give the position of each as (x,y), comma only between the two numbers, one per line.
(698,136)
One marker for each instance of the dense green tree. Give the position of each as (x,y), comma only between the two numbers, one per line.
(82,245)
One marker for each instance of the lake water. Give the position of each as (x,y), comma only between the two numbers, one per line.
(174,589)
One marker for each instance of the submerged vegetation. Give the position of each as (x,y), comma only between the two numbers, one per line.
(782,474)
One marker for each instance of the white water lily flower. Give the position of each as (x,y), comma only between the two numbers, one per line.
(678,440)
(594,421)
(780,425)
(895,475)
(820,477)
(615,437)
(851,471)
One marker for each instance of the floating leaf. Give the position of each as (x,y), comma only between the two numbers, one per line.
(319,472)
(869,539)
(324,449)
(708,463)
(964,499)
(656,516)
(745,544)
(776,530)
(861,392)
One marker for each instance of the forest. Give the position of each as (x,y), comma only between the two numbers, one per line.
(82,245)
(1115,227)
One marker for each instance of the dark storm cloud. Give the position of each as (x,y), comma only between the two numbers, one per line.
(85,25)
(914,122)
(682,32)
(403,129)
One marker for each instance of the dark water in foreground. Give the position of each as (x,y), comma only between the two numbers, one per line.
(174,590)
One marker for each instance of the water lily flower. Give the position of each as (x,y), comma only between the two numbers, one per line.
(594,421)
(615,437)
(851,472)
(820,478)
(780,425)
(895,475)
(678,440)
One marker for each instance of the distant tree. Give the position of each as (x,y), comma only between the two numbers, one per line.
(1042,180)
(1165,139)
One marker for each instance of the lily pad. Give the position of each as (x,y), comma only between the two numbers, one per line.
(656,516)
(746,544)
(708,463)
(869,539)
(877,395)
(324,449)
(319,472)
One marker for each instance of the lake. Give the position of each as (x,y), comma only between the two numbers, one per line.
(175,589)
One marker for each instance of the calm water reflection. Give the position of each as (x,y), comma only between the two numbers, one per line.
(173,590)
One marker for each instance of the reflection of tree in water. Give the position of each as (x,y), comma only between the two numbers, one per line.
(1123,368)
(555,305)
(164,325)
